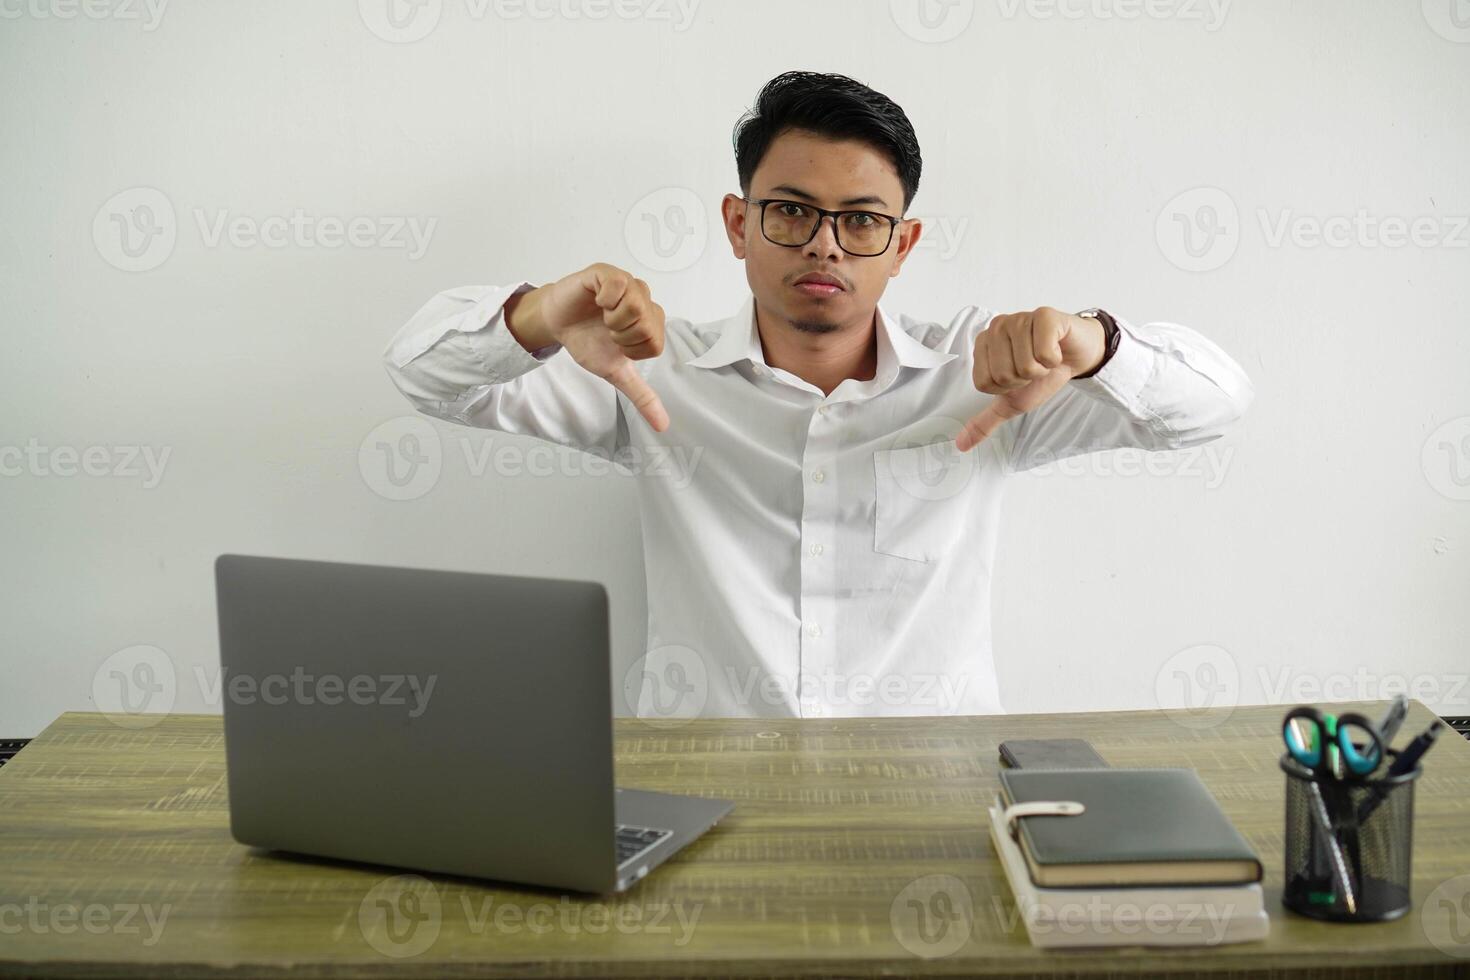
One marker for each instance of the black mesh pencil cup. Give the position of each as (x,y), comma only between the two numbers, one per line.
(1349,844)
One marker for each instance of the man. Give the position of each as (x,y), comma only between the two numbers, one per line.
(829,551)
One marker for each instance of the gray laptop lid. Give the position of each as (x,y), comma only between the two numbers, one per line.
(442,721)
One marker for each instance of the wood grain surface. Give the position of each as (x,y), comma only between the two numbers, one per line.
(857,848)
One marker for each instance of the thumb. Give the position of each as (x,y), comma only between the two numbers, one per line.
(980,426)
(1006,407)
(625,378)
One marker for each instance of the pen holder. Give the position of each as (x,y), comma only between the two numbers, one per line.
(1358,871)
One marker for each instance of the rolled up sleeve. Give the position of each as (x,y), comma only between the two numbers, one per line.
(1166,387)
(455,359)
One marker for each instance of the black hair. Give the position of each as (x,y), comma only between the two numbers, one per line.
(832,106)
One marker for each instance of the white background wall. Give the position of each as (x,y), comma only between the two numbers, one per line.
(1324,544)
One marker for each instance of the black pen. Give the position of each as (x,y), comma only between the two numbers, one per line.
(1405,761)
(1409,758)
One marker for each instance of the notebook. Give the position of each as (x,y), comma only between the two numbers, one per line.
(1138,827)
(1206,915)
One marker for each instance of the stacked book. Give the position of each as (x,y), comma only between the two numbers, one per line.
(1148,858)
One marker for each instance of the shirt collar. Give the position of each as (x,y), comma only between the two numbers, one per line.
(739,339)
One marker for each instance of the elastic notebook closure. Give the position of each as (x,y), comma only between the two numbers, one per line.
(1039,808)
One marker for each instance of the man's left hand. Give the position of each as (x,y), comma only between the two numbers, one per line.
(1025,359)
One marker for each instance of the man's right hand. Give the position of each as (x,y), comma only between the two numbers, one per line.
(605,319)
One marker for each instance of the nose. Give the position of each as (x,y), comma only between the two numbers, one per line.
(824,242)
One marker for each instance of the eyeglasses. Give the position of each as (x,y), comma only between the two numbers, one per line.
(792,224)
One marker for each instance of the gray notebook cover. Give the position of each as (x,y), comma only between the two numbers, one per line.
(1131,816)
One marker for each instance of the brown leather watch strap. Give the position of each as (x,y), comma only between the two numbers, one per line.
(1113,334)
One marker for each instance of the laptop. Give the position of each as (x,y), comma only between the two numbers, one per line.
(432,720)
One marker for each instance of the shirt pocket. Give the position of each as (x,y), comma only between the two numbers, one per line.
(919,500)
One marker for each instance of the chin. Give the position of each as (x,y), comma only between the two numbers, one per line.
(815,326)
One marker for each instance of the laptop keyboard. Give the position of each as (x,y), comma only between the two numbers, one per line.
(633,841)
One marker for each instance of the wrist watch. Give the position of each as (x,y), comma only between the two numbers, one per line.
(1110,328)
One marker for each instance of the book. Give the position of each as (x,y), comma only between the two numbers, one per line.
(1140,916)
(1138,827)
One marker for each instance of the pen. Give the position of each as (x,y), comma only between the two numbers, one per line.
(1406,761)
(1318,808)
(1410,756)
(1388,727)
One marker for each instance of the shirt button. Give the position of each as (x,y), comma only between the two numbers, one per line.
(823,409)
(812,629)
(815,549)
(818,476)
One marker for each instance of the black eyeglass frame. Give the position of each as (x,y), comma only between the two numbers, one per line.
(823,214)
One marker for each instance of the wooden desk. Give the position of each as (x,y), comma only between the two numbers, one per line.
(835,819)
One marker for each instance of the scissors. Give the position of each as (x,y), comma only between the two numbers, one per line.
(1333,746)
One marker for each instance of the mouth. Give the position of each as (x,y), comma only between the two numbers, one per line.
(818,285)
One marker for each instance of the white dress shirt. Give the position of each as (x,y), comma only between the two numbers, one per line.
(811,555)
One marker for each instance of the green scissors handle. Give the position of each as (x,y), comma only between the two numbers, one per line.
(1332,745)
